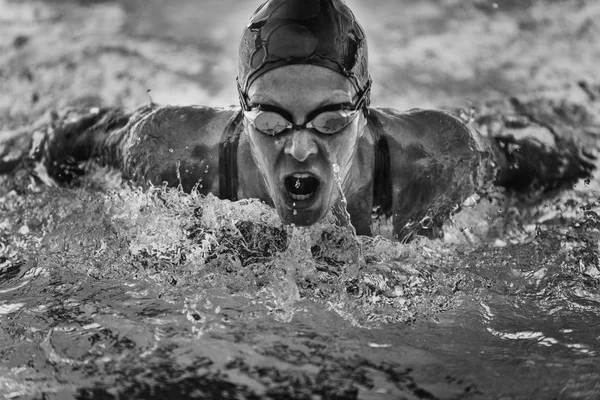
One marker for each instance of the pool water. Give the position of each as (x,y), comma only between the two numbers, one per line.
(108,291)
(113,292)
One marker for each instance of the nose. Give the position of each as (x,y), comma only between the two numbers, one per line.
(301,145)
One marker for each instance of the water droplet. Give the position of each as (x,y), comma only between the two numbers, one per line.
(344,209)
(295,212)
(297,185)
(178,171)
(426,222)
(187,170)
(170,150)
(471,201)
(294,204)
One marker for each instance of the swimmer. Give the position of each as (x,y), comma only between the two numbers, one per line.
(304,129)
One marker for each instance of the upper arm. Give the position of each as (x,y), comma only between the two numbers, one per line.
(438,131)
(178,145)
(434,159)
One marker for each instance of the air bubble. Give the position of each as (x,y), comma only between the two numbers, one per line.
(170,150)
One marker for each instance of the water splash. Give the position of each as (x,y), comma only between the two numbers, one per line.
(346,220)
(197,186)
(252,285)
(178,172)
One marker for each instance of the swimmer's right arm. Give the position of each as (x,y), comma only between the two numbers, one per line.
(152,144)
(54,146)
(54,138)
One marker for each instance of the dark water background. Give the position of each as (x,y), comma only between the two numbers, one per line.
(112,292)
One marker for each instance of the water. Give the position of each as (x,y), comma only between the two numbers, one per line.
(113,292)
(344,220)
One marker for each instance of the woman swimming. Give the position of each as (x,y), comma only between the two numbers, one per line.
(304,130)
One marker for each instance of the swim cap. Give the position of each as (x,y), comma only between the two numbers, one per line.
(318,32)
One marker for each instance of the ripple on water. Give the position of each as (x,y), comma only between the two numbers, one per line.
(137,292)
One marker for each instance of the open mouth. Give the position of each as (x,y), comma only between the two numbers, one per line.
(301,186)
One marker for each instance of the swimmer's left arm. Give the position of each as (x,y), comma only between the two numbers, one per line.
(435,165)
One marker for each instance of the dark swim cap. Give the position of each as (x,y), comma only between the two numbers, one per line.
(317,32)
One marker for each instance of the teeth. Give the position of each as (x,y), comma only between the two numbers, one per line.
(300,196)
(301,176)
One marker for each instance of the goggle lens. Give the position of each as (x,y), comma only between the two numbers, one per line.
(270,123)
(328,123)
(331,122)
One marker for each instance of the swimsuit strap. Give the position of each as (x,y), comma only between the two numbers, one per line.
(382,182)
(228,179)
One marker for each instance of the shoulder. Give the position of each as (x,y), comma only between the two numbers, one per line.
(414,116)
(182,121)
(178,144)
(433,129)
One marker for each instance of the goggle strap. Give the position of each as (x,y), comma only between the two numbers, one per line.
(243,97)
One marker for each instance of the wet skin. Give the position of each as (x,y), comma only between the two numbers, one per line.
(435,162)
(304,158)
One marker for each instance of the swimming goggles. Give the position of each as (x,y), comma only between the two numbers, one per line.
(271,120)
(273,123)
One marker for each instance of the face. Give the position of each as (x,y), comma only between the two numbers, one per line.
(298,162)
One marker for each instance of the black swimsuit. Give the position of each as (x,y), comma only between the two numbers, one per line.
(228,179)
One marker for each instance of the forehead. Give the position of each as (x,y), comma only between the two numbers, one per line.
(306,83)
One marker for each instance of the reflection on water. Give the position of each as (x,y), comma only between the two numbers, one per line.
(136,294)
(111,292)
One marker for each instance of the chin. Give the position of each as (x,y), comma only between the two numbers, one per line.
(302,218)
(303,199)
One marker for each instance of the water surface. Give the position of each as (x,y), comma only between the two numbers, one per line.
(108,291)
